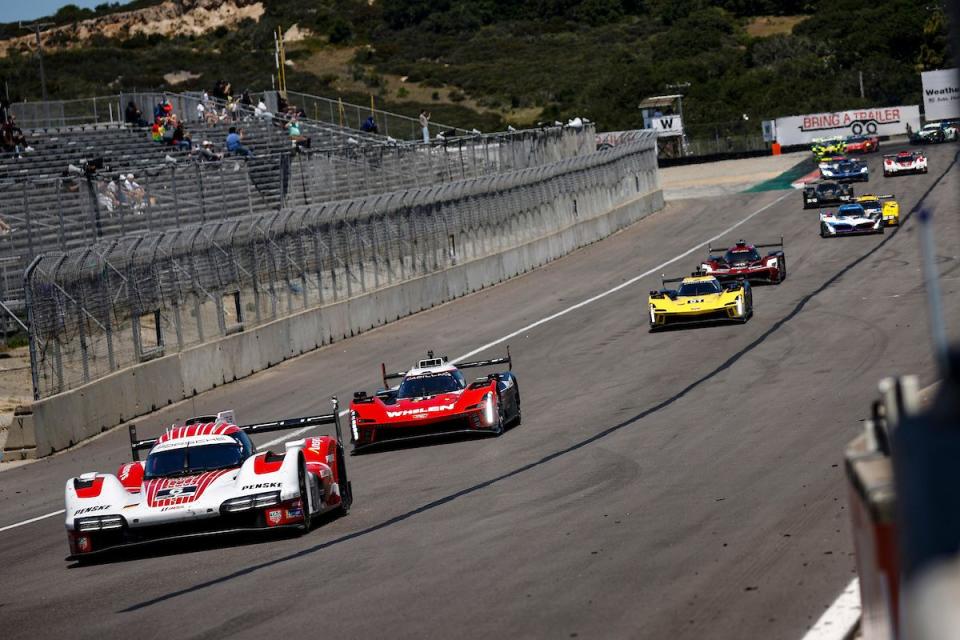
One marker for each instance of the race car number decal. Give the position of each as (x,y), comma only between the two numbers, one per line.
(176,492)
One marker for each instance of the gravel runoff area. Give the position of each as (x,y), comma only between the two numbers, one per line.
(726,177)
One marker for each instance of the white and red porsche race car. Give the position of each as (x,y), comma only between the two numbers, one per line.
(433,398)
(206,477)
(904,162)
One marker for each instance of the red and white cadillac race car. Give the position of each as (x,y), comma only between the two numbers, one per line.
(904,162)
(742,260)
(433,398)
(206,477)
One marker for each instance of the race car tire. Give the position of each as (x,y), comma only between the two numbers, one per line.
(346,493)
(304,496)
(498,428)
(781,269)
(519,417)
(823,231)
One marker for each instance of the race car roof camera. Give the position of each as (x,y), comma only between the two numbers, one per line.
(443,360)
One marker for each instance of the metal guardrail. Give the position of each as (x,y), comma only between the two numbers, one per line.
(116,302)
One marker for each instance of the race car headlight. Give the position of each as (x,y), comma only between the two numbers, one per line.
(353,426)
(488,408)
(256,500)
(99,523)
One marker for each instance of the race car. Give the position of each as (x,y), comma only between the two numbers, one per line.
(935,132)
(826,193)
(824,147)
(904,162)
(206,477)
(434,398)
(700,298)
(744,261)
(862,144)
(849,220)
(885,206)
(845,170)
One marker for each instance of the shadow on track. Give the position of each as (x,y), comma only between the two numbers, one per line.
(729,362)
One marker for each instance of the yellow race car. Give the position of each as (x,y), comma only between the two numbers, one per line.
(885,205)
(828,147)
(700,298)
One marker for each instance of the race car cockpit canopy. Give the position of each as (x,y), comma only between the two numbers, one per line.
(700,287)
(431,383)
(741,255)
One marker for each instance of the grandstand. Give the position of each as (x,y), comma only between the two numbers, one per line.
(52,203)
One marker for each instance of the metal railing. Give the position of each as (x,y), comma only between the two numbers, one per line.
(113,303)
(58,213)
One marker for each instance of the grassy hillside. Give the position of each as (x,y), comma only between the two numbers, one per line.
(489,62)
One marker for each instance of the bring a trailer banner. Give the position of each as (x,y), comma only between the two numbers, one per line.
(883,121)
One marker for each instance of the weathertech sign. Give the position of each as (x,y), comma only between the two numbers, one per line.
(941,94)
(885,121)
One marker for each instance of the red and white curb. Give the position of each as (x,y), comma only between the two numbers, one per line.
(810,177)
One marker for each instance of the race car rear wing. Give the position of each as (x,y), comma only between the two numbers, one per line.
(507,360)
(711,248)
(136,446)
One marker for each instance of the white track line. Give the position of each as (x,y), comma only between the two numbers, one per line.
(20,524)
(838,621)
(532,325)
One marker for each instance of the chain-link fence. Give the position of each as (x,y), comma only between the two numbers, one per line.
(114,303)
(60,213)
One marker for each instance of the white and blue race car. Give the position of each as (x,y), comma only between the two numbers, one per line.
(844,170)
(849,220)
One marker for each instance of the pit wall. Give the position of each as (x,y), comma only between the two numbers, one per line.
(593,210)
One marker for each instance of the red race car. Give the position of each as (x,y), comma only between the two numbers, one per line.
(863,144)
(434,398)
(744,261)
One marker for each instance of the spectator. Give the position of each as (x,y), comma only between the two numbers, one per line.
(261,111)
(425,125)
(296,136)
(169,124)
(133,116)
(201,109)
(246,100)
(234,144)
(233,106)
(4,110)
(107,196)
(11,137)
(180,138)
(370,125)
(204,152)
(156,131)
(134,193)
(6,138)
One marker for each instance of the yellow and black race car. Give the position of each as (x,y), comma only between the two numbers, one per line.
(827,147)
(700,298)
(885,205)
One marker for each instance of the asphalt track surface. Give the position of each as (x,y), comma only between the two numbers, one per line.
(683,484)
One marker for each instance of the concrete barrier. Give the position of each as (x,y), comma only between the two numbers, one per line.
(67,418)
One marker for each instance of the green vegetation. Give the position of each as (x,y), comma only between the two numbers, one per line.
(487,62)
